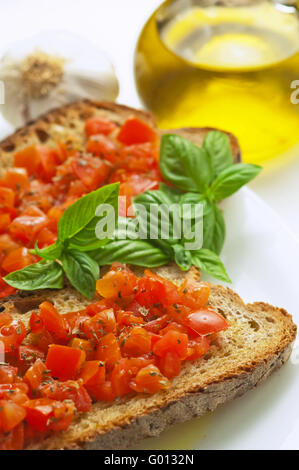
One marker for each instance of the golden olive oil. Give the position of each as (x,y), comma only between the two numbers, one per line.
(225,67)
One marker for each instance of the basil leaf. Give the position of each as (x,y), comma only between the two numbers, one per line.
(191,199)
(232,179)
(173,194)
(210,263)
(217,145)
(41,275)
(78,223)
(214,230)
(182,257)
(81,271)
(185,165)
(50,253)
(137,252)
(158,217)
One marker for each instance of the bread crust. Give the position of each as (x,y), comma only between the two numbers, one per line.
(223,374)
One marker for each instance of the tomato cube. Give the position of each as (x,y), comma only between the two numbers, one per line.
(64,362)
(136,131)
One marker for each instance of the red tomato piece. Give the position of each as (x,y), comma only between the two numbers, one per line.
(198,347)
(8,374)
(155,326)
(84,345)
(206,321)
(194,294)
(64,362)
(92,171)
(69,390)
(103,391)
(12,335)
(91,372)
(35,323)
(170,364)
(119,282)
(45,414)
(127,318)
(27,355)
(14,440)
(120,378)
(49,160)
(16,179)
(172,341)
(36,374)
(5,220)
(99,125)
(136,131)
(149,380)
(53,321)
(26,226)
(102,147)
(108,350)
(136,343)
(100,324)
(11,414)
(7,197)
(7,244)
(45,238)
(16,259)
(28,158)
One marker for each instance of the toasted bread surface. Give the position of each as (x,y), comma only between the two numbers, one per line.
(67,124)
(257,342)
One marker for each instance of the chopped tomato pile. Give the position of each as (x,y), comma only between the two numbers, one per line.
(133,339)
(45,181)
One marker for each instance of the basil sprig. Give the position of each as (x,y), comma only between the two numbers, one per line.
(70,254)
(203,175)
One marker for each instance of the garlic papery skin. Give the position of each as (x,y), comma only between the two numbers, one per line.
(53,69)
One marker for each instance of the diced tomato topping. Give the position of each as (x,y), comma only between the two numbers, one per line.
(16,259)
(36,323)
(99,125)
(69,390)
(11,414)
(117,283)
(92,372)
(12,335)
(172,341)
(28,158)
(136,131)
(64,362)
(7,374)
(36,374)
(108,350)
(16,179)
(149,380)
(7,197)
(45,414)
(206,321)
(102,323)
(136,343)
(53,321)
(5,289)
(92,171)
(102,147)
(14,440)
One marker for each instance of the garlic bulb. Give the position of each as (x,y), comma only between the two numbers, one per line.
(52,69)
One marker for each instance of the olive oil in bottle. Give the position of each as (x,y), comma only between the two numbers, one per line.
(203,64)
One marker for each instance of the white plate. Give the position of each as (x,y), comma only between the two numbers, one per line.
(262,258)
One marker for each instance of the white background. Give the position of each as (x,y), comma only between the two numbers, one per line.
(114,25)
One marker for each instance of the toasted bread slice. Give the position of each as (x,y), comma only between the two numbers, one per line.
(67,124)
(257,343)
